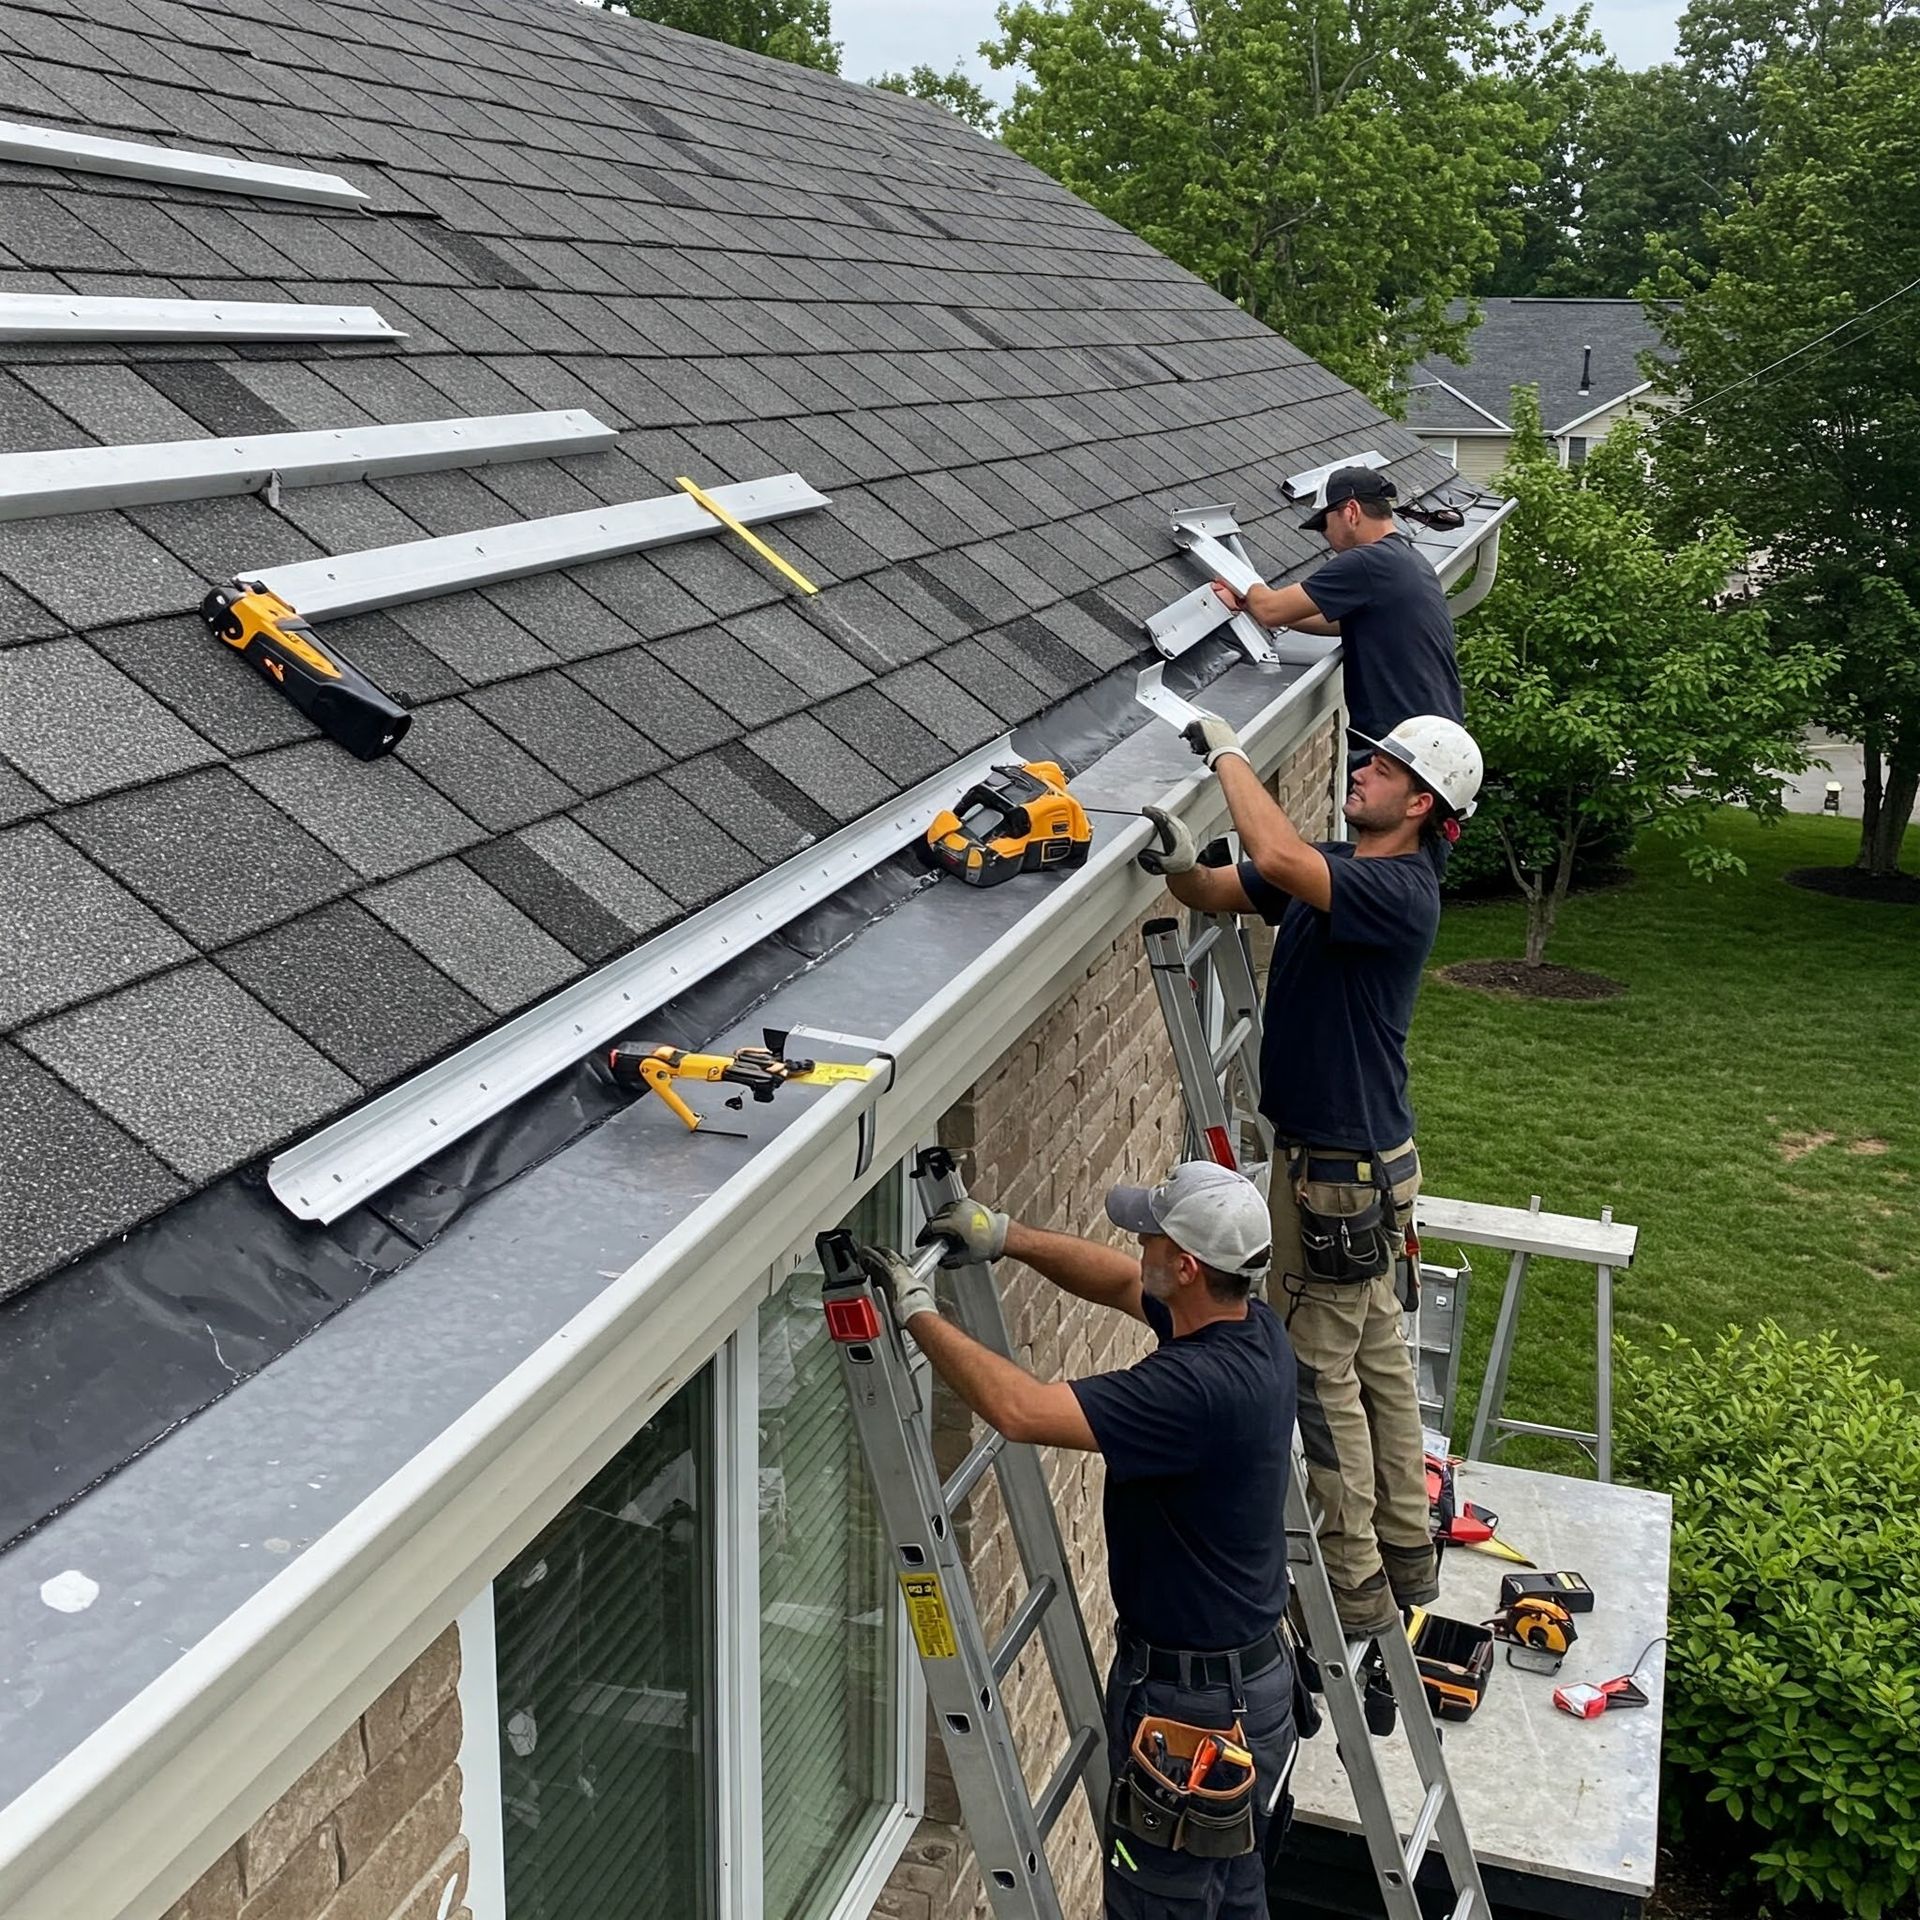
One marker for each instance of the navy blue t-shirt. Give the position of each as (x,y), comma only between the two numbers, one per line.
(1396,635)
(1198,1441)
(1340,993)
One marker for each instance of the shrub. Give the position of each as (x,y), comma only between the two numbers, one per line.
(1794,1661)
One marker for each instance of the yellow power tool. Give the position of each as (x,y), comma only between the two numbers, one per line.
(320,680)
(758,1070)
(1020,819)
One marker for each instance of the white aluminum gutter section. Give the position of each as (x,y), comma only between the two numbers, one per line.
(87,479)
(1484,541)
(122,1825)
(134,160)
(333,1170)
(1484,576)
(419,569)
(1298,487)
(75,316)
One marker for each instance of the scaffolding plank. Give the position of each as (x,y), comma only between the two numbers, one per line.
(75,316)
(135,160)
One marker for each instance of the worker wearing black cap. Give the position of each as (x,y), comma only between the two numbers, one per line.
(1379,596)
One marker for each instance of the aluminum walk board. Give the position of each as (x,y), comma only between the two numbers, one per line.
(76,316)
(87,479)
(419,569)
(135,160)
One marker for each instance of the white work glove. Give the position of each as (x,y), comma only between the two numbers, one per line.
(1172,849)
(892,1273)
(972,1230)
(1212,737)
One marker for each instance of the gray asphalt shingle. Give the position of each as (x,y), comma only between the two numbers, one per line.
(479,769)
(670,840)
(95,569)
(565,728)
(474,934)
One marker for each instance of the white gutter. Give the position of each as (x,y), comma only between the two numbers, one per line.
(123,1825)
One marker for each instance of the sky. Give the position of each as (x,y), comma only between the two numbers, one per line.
(890,36)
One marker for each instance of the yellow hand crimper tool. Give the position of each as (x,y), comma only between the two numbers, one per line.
(759,1070)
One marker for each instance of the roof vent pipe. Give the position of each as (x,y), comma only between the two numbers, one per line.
(1586,369)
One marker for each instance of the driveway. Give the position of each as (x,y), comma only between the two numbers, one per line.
(1807,792)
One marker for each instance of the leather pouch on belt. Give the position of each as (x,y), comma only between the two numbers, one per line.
(1343,1248)
(1158,1799)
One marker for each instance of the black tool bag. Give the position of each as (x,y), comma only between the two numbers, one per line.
(1346,1248)
(1155,1798)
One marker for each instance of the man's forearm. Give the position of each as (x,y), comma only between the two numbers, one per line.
(1088,1269)
(1280,855)
(1003,1394)
(1287,607)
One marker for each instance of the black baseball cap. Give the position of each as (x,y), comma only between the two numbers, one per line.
(1349,483)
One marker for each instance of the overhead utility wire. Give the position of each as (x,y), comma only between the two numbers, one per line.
(1747,380)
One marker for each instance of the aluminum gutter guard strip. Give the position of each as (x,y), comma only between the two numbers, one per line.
(343,1164)
(419,569)
(75,316)
(112,1830)
(85,479)
(134,160)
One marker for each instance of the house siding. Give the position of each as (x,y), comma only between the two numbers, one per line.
(374,1829)
(1480,457)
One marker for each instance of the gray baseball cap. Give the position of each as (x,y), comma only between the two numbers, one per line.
(1211,1212)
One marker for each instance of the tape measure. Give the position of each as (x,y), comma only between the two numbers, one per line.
(1020,819)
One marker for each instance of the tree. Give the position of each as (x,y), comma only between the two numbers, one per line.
(1608,687)
(1802,357)
(797,30)
(1341,168)
(954,91)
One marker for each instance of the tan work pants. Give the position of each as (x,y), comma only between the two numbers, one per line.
(1359,1401)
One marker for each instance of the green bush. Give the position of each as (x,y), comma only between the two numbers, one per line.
(1794,1662)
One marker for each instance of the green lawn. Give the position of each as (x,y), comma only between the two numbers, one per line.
(1752,1104)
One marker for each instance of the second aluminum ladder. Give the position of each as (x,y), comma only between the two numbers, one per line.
(1220,1086)
(964,1674)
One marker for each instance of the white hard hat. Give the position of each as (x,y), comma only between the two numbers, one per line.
(1439,753)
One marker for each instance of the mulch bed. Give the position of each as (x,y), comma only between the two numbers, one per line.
(1850,883)
(1514,979)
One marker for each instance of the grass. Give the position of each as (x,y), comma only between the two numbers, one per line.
(1752,1104)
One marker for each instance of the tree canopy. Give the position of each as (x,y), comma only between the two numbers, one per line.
(1343,171)
(1608,687)
(953,90)
(797,30)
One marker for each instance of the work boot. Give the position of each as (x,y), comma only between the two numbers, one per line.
(1413,1573)
(1368,1609)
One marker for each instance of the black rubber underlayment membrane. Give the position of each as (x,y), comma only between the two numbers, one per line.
(115,1351)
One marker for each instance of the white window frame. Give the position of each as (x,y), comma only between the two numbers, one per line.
(740,1887)
(1443,443)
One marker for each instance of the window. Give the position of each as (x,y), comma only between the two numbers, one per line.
(705,1701)
(1450,448)
(1576,450)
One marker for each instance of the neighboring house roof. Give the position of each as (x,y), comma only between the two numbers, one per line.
(1533,342)
(222,929)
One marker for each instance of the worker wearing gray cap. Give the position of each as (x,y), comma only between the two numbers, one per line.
(1197,1437)
(1379,596)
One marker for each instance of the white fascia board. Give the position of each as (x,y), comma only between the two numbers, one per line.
(122,1825)
(1499,425)
(419,569)
(135,160)
(87,479)
(1618,400)
(333,1170)
(76,316)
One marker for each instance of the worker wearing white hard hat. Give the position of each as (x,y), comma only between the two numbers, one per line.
(1354,922)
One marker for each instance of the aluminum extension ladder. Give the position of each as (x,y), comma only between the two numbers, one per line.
(1218,1079)
(963,1672)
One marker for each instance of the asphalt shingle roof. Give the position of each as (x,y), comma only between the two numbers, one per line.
(1535,342)
(225,929)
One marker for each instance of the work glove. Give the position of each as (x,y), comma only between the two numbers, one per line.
(1212,737)
(1172,849)
(892,1274)
(974,1232)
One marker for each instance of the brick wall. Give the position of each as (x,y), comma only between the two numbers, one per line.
(1087,1098)
(371,1831)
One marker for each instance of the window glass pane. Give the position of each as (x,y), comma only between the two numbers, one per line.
(606,1650)
(1577,450)
(828,1611)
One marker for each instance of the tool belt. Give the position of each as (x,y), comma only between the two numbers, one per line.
(1192,1670)
(1157,1797)
(1346,1249)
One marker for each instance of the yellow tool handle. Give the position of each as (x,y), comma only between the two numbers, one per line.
(658,1074)
(746,533)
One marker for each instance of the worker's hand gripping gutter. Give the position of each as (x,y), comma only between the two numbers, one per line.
(1172,848)
(893,1275)
(974,1233)
(1214,738)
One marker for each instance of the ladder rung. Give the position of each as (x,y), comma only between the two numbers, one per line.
(1234,1039)
(927,1260)
(972,1470)
(1026,1616)
(1467,1908)
(1204,945)
(1422,1835)
(1544,1432)
(1073,1763)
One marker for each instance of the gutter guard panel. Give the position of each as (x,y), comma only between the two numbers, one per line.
(343,1164)
(86,479)
(135,160)
(1302,487)
(419,569)
(76,316)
